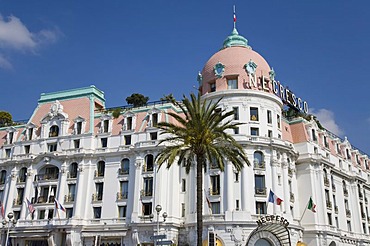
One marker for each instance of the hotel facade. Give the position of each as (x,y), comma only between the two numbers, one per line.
(101,170)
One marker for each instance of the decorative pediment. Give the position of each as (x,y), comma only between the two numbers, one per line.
(30,125)
(56,112)
(154,111)
(79,119)
(128,114)
(11,129)
(106,117)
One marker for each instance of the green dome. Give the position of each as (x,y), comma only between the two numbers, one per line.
(235,40)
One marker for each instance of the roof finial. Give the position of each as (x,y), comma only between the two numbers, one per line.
(234,18)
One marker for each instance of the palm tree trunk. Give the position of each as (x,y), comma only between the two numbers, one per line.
(200,160)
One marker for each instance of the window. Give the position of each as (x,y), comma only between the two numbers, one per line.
(236,113)
(79,127)
(127,139)
(99,191)
(106,126)
(155,119)
(269,133)
(153,136)
(76,143)
(73,170)
(41,214)
(69,213)
(7,153)
(71,192)
(236,177)
(215,207)
(19,200)
(182,209)
(326,144)
(149,162)
(232,84)
(349,227)
(183,185)
(104,142)
(215,185)
(330,222)
(29,133)
(336,222)
(52,147)
(101,168)
(213,86)
(259,184)
(260,208)
(27,149)
(254,131)
(254,114)
(11,135)
(237,205)
(278,121)
(122,211)
(147,208)
(22,174)
(97,212)
(269,117)
(148,186)
(236,130)
(125,166)
(124,189)
(292,211)
(54,131)
(348,154)
(51,214)
(258,158)
(2,177)
(129,123)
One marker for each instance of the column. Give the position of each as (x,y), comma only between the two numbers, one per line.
(136,189)
(243,189)
(286,188)
(229,180)
(62,186)
(11,191)
(25,213)
(79,196)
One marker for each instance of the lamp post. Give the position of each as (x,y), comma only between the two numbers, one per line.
(158,209)
(10,220)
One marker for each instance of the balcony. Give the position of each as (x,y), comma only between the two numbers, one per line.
(98,174)
(291,197)
(47,177)
(360,195)
(214,192)
(348,213)
(147,168)
(333,187)
(326,182)
(260,191)
(259,165)
(122,195)
(336,209)
(21,179)
(17,202)
(96,197)
(44,199)
(69,198)
(328,205)
(363,215)
(123,171)
(345,192)
(144,193)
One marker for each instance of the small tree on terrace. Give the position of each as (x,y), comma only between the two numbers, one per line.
(137,100)
(197,138)
(6,119)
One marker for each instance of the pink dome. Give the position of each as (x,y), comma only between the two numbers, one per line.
(234,60)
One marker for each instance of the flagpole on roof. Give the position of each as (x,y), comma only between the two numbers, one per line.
(234,18)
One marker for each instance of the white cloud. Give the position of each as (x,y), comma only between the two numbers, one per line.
(327,120)
(16,37)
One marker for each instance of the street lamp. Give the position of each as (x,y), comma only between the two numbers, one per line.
(10,221)
(158,209)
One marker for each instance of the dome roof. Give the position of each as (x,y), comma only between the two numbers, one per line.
(235,59)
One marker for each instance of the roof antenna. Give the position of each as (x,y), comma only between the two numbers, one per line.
(234,18)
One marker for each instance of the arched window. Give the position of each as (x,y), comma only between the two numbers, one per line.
(149,162)
(101,169)
(125,166)
(73,170)
(326,180)
(54,131)
(22,174)
(258,159)
(3,177)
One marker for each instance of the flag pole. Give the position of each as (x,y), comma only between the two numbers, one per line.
(234,18)
(304,211)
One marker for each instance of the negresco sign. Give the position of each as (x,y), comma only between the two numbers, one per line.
(272,219)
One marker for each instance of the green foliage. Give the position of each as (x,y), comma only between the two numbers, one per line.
(116,113)
(199,137)
(6,119)
(137,100)
(168,98)
(292,113)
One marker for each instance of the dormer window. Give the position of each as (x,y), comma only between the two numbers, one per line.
(29,133)
(129,123)
(79,125)
(54,131)
(11,136)
(105,124)
(155,119)
(348,154)
(314,137)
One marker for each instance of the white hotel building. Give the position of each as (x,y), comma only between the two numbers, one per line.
(102,170)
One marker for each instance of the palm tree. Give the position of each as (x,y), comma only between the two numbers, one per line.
(198,136)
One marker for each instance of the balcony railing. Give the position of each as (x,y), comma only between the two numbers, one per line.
(97,197)
(326,182)
(214,192)
(99,174)
(260,191)
(21,179)
(333,187)
(348,213)
(291,197)
(336,209)
(69,198)
(47,176)
(146,193)
(17,202)
(345,191)
(290,172)
(44,199)
(259,165)
(122,195)
(148,168)
(328,205)
(123,171)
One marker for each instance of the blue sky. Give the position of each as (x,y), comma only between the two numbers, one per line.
(320,49)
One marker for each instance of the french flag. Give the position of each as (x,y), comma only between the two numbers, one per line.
(58,205)
(274,198)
